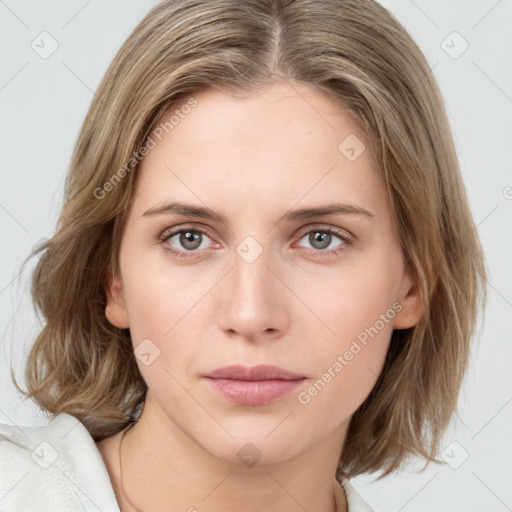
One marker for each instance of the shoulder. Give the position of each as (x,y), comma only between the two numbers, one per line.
(355,502)
(56,467)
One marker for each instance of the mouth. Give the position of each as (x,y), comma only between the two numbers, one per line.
(258,385)
(248,373)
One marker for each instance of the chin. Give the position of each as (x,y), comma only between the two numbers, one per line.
(258,449)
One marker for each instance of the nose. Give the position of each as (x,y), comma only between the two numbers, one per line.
(253,301)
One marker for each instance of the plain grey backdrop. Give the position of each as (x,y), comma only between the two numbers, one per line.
(53,57)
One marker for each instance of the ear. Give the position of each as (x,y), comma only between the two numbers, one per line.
(410,300)
(115,310)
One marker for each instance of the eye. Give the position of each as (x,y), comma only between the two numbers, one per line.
(322,238)
(190,239)
(186,241)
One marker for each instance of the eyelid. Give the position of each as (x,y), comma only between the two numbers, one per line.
(302,231)
(328,227)
(345,236)
(171,231)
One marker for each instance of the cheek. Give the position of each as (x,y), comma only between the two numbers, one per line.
(167,309)
(356,296)
(157,295)
(347,363)
(356,308)
(345,382)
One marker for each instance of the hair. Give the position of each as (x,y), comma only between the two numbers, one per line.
(359,55)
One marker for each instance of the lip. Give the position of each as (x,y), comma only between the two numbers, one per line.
(258,372)
(257,385)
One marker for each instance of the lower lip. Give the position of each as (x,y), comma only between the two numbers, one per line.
(255,392)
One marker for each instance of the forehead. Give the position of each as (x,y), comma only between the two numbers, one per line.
(291,111)
(283,143)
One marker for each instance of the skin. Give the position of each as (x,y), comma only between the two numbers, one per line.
(252,160)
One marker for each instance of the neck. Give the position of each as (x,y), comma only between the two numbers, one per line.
(163,466)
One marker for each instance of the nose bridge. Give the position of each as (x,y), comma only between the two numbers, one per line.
(251,304)
(251,276)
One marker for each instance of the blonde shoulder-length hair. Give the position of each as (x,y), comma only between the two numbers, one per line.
(361,57)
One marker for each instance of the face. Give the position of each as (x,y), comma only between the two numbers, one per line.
(258,283)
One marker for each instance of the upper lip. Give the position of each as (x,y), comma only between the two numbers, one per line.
(259,372)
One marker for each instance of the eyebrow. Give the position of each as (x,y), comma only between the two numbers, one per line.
(294,215)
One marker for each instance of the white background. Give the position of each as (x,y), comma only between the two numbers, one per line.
(43,103)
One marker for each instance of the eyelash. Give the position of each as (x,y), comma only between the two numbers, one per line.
(348,241)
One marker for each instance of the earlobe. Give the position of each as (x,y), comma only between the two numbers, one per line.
(115,310)
(412,305)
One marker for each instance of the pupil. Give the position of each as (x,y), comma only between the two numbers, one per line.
(189,240)
(323,238)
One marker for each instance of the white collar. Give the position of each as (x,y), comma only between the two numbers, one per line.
(76,470)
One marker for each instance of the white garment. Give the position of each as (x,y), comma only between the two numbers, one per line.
(58,468)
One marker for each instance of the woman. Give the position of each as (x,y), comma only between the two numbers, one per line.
(265,276)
